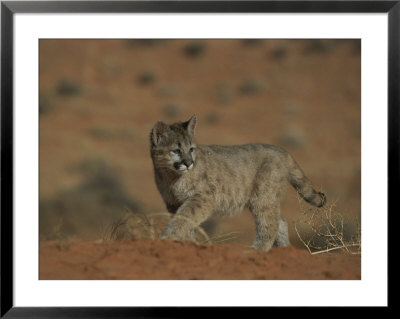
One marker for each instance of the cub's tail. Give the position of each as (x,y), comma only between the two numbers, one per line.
(303,185)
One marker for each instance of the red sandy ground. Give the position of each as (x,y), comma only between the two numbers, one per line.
(156,259)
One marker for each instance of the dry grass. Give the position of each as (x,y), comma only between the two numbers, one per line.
(140,226)
(226,237)
(323,230)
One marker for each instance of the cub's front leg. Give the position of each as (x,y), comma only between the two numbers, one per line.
(189,215)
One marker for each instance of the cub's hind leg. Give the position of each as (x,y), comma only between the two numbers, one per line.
(267,225)
(268,190)
(282,237)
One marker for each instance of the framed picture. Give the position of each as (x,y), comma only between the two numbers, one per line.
(84,85)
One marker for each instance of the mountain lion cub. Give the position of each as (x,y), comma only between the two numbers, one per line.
(198,181)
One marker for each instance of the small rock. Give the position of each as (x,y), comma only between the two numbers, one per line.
(224,94)
(100,132)
(45,106)
(172,110)
(250,86)
(293,139)
(279,53)
(291,109)
(168,90)
(318,46)
(194,49)
(143,42)
(211,118)
(252,42)
(67,87)
(146,78)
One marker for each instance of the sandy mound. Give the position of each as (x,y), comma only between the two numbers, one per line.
(156,259)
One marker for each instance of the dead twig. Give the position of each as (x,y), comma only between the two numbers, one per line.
(323,230)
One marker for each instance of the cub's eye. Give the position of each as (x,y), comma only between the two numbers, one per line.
(191,150)
(177,151)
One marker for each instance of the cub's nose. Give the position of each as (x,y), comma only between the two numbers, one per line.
(188,163)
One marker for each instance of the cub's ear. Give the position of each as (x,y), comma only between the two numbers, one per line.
(159,131)
(191,125)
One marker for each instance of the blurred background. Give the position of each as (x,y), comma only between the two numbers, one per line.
(99,100)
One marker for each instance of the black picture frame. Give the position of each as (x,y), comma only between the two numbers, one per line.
(9,8)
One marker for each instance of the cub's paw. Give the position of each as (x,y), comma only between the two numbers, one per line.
(172,234)
(323,199)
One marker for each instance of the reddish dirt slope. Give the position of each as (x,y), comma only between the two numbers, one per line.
(155,259)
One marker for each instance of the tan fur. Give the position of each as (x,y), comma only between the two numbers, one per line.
(223,180)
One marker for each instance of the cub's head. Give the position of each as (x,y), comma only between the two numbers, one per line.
(172,146)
